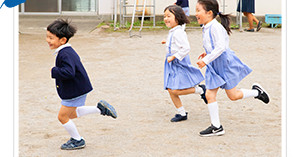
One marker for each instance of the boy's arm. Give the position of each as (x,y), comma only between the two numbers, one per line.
(67,71)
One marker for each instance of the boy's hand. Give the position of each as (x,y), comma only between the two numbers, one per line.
(170,58)
(163,42)
(201,64)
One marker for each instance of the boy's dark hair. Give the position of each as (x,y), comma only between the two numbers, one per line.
(178,13)
(214,7)
(62,28)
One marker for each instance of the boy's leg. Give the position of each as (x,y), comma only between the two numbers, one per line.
(67,123)
(85,110)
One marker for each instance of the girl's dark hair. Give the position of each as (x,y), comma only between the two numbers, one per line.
(178,13)
(62,28)
(214,7)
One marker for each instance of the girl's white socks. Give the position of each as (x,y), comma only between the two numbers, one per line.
(214,114)
(70,127)
(249,93)
(85,110)
(198,90)
(181,111)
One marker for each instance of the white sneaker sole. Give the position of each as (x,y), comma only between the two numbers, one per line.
(214,134)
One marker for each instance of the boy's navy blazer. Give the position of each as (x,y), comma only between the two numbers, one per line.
(182,3)
(71,78)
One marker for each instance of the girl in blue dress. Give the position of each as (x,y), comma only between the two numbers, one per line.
(180,77)
(224,68)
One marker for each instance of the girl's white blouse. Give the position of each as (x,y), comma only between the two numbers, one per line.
(179,44)
(220,39)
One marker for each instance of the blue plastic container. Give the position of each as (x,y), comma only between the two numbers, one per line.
(273,19)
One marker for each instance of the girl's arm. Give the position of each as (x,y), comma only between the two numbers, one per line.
(200,63)
(183,47)
(170,58)
(218,37)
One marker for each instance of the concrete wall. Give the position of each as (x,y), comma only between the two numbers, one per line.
(262,7)
(106,7)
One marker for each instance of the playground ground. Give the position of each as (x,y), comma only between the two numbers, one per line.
(128,73)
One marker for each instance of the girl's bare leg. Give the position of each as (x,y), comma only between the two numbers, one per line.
(175,98)
(250,19)
(183,91)
(234,94)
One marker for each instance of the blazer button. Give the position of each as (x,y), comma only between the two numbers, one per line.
(57,86)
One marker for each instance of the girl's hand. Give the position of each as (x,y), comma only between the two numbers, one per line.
(202,55)
(163,42)
(201,64)
(170,58)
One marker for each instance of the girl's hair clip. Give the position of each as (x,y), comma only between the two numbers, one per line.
(218,13)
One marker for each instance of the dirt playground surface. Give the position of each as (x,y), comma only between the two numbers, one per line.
(128,73)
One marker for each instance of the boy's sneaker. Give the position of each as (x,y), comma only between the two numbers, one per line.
(203,95)
(106,109)
(179,117)
(72,144)
(212,131)
(263,96)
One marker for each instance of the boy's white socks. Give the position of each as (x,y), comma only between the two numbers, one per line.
(198,90)
(214,114)
(70,127)
(181,111)
(85,110)
(249,93)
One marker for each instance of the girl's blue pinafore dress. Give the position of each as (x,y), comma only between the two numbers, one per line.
(226,71)
(180,74)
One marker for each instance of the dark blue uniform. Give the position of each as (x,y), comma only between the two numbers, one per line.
(71,78)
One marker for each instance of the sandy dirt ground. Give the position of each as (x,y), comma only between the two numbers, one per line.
(128,73)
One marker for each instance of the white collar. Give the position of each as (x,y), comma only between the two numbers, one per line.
(209,24)
(176,27)
(61,47)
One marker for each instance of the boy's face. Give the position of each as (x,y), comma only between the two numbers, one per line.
(169,19)
(53,41)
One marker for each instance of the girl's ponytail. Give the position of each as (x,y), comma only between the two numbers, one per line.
(225,21)
(214,7)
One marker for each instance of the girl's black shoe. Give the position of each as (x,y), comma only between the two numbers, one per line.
(263,95)
(178,118)
(212,131)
